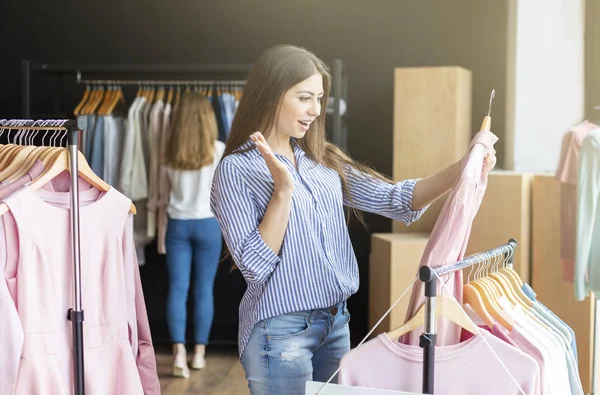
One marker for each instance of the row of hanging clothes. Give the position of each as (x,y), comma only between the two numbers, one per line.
(124,143)
(490,334)
(510,343)
(40,275)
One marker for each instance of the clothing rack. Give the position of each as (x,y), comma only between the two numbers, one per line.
(74,314)
(220,72)
(429,276)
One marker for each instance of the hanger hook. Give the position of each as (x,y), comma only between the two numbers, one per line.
(469,276)
(480,267)
(491,98)
(489,265)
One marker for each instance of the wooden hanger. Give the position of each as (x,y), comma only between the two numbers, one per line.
(160,95)
(61,163)
(445,306)
(86,95)
(118,103)
(16,162)
(170,95)
(473,299)
(492,306)
(178,95)
(490,296)
(93,108)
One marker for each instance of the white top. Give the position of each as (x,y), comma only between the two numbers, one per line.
(587,247)
(190,189)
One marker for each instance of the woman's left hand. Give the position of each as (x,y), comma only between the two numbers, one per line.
(490,160)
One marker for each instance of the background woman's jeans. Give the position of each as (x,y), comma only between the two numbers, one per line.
(286,351)
(193,247)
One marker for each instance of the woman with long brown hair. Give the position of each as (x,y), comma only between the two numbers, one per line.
(193,240)
(279,195)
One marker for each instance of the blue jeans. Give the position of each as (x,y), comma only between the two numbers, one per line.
(286,351)
(197,243)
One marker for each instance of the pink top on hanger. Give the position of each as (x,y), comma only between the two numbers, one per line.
(450,236)
(36,294)
(566,173)
(470,367)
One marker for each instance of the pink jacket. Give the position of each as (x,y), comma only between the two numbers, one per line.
(450,236)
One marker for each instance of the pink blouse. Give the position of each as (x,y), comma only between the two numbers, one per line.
(36,294)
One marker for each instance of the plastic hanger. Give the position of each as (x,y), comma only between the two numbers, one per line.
(445,306)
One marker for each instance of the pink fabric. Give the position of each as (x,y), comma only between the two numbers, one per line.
(36,341)
(538,353)
(8,188)
(450,236)
(164,189)
(496,330)
(566,173)
(466,368)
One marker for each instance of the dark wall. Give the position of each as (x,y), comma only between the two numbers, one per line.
(371,37)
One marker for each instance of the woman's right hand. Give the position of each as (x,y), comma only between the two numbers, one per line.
(280,173)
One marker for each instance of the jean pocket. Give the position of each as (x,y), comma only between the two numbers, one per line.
(286,326)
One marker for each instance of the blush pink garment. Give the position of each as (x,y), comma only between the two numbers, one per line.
(8,188)
(469,368)
(450,235)
(36,294)
(495,330)
(566,173)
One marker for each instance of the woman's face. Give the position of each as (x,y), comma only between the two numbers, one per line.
(301,106)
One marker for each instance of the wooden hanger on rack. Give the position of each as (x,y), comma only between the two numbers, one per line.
(56,161)
(482,297)
(170,95)
(86,95)
(445,306)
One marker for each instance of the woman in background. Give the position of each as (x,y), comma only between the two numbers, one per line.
(193,239)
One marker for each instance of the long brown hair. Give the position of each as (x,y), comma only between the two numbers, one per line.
(192,142)
(276,71)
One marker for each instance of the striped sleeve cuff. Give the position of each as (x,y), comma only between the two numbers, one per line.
(403,197)
(258,259)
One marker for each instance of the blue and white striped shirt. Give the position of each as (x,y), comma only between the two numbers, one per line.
(316,266)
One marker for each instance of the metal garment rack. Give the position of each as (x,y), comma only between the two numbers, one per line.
(149,71)
(74,314)
(429,276)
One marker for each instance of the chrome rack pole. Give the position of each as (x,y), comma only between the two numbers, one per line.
(76,314)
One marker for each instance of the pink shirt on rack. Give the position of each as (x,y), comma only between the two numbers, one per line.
(470,367)
(495,330)
(34,321)
(448,240)
(566,173)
